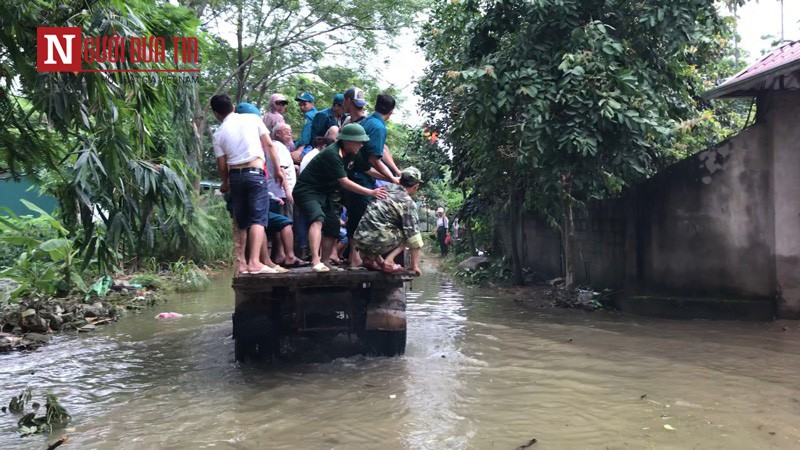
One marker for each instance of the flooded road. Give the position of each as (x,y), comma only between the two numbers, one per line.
(480,371)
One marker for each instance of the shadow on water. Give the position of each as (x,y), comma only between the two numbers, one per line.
(480,371)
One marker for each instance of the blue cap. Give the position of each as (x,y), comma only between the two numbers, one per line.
(247,108)
(338,99)
(306,97)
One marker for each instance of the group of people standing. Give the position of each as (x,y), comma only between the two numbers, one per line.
(280,188)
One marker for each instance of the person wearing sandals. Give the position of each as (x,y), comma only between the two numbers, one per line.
(317,188)
(279,225)
(241,145)
(390,224)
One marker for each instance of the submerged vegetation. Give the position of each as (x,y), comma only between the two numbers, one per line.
(46,287)
(52,417)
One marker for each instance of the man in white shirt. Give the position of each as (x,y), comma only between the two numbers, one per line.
(240,143)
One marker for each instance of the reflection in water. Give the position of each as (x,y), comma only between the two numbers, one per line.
(435,366)
(479,372)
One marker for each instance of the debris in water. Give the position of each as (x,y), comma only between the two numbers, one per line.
(55,416)
(669,427)
(57,443)
(531,442)
(17,404)
(393,396)
(643,396)
(169,315)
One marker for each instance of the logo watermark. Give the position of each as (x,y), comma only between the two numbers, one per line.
(64,49)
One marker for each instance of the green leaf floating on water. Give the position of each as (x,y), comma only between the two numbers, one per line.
(669,427)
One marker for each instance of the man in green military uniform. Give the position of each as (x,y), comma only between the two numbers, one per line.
(317,191)
(389,225)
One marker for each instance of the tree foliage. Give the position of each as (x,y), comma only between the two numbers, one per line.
(547,103)
(276,40)
(119,146)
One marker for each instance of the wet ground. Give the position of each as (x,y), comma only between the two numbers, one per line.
(479,372)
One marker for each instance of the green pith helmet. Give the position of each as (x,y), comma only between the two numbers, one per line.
(353,132)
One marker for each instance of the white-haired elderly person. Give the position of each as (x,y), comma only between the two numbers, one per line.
(275,116)
(282,201)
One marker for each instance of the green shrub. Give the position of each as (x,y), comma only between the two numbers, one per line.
(203,236)
(148,280)
(47,260)
(187,276)
(498,272)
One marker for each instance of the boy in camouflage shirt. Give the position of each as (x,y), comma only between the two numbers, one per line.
(389,225)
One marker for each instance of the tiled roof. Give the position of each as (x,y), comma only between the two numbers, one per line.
(776,71)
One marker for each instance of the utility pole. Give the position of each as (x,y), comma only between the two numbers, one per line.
(781,21)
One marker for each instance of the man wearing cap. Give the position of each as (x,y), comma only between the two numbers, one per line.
(354,103)
(375,127)
(277,109)
(390,225)
(328,117)
(240,145)
(306,104)
(317,189)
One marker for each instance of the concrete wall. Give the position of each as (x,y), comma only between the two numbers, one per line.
(599,253)
(784,134)
(723,223)
(539,244)
(704,226)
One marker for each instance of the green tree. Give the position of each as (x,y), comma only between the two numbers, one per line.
(549,104)
(120,146)
(276,40)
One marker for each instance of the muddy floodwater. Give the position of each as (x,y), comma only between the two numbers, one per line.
(480,371)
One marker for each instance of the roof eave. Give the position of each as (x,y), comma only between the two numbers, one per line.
(729,90)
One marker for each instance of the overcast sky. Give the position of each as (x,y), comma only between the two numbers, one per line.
(756,19)
(763,17)
(403,66)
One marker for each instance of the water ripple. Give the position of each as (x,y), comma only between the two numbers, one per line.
(479,372)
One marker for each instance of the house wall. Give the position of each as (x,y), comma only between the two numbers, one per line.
(11,191)
(783,111)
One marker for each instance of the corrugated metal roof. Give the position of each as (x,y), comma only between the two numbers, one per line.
(770,73)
